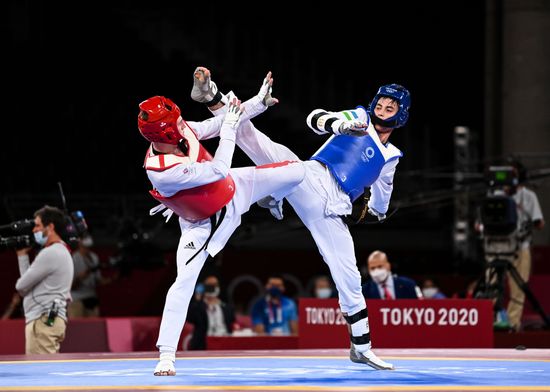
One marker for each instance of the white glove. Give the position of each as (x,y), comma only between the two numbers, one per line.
(377,214)
(233,116)
(204,89)
(265,91)
(353,128)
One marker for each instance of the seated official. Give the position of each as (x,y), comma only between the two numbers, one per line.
(275,314)
(323,288)
(384,285)
(430,289)
(209,315)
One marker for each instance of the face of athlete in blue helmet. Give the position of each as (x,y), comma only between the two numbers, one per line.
(385,108)
(389,108)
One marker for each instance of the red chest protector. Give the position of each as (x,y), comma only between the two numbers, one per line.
(197,203)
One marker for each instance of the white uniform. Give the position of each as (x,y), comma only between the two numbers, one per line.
(319,201)
(251,184)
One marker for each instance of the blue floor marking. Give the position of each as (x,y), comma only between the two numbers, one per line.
(316,371)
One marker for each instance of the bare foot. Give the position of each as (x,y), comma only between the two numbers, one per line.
(165,368)
(165,373)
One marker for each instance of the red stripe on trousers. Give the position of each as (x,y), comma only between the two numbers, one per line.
(275,164)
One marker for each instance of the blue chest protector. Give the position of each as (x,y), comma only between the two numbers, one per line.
(355,162)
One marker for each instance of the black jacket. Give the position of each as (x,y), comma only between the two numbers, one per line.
(199,318)
(404,288)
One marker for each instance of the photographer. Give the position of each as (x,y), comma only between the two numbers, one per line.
(46,283)
(529,218)
(87,277)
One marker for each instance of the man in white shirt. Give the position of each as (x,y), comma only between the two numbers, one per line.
(529,217)
(210,316)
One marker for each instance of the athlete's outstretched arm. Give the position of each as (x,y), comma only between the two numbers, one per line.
(382,189)
(347,122)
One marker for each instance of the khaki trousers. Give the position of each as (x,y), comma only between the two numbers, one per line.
(42,339)
(517,297)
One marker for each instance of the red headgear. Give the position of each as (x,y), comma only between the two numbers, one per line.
(158,120)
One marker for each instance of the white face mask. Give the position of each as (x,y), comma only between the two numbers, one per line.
(379,275)
(213,294)
(429,292)
(40,238)
(87,242)
(324,292)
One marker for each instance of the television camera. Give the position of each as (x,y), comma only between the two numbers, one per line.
(21,230)
(501,238)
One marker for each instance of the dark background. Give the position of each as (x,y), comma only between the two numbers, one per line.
(77,74)
(74,74)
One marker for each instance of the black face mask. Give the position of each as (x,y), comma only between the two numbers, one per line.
(384,123)
(275,292)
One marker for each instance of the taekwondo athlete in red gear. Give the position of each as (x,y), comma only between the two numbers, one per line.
(358,155)
(208,196)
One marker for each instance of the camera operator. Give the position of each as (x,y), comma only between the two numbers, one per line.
(529,218)
(46,283)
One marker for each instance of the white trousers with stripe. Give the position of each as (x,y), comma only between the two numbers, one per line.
(318,201)
(251,184)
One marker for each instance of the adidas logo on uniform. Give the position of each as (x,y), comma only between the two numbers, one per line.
(190,245)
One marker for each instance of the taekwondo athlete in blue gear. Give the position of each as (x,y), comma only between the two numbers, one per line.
(335,176)
(354,175)
(377,156)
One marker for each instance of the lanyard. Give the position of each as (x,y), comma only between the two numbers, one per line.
(271,314)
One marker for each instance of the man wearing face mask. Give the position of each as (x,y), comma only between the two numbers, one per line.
(384,285)
(210,316)
(275,314)
(322,288)
(430,289)
(85,302)
(45,284)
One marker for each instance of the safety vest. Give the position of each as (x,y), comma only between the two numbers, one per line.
(356,162)
(197,203)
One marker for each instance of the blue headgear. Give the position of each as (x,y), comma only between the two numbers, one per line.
(403,98)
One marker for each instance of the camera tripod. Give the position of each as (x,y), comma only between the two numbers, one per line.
(491,285)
